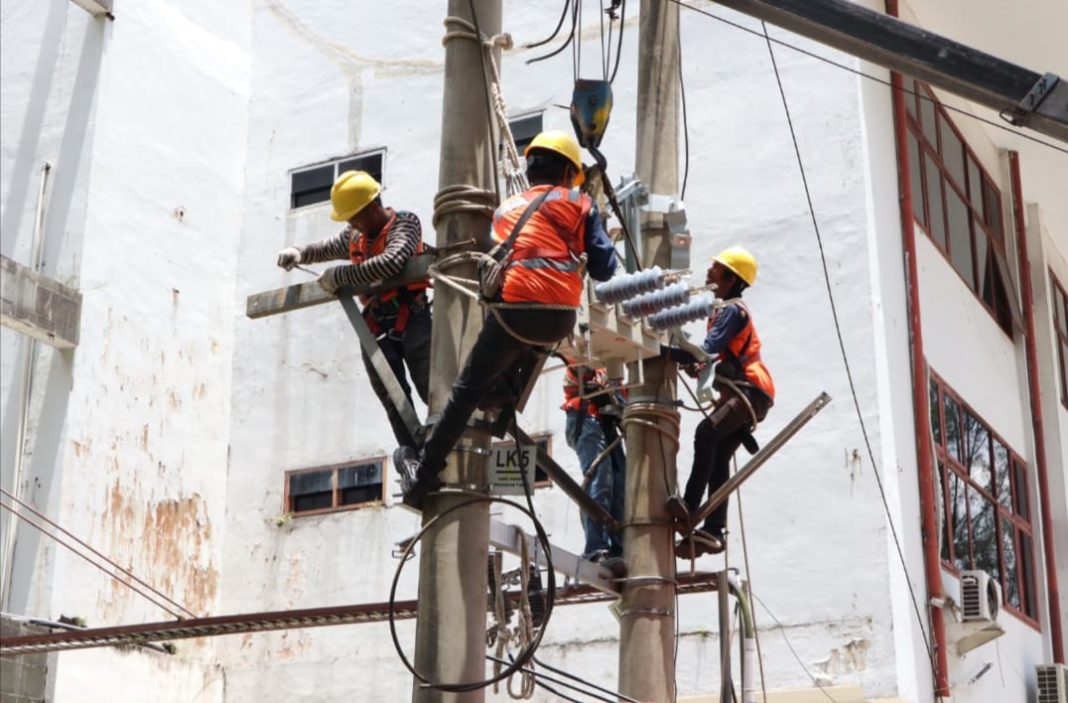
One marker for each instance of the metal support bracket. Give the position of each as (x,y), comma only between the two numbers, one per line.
(1030,102)
(510,538)
(394,393)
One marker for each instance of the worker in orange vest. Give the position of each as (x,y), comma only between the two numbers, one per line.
(559,233)
(377,242)
(593,411)
(747,393)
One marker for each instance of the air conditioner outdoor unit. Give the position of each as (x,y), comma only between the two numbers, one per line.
(980,597)
(1051,682)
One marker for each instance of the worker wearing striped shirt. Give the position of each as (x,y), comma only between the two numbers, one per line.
(377,242)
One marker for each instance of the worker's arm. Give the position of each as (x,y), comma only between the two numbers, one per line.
(600,254)
(330,249)
(726,325)
(401,242)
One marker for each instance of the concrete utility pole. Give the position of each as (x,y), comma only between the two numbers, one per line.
(450,641)
(647,622)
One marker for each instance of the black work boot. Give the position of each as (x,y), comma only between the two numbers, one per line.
(679,512)
(415,483)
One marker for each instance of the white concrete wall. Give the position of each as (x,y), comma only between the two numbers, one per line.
(298,380)
(149,116)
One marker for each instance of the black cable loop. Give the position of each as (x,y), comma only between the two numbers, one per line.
(543,42)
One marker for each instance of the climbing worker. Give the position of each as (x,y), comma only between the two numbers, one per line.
(592,427)
(378,241)
(559,232)
(746,394)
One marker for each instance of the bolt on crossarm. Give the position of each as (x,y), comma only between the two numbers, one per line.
(647,612)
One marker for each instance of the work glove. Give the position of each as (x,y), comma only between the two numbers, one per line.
(328,280)
(693,370)
(288,258)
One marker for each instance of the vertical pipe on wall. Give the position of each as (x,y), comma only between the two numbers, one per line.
(1052,589)
(920,399)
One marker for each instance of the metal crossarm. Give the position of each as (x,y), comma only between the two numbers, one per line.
(281,620)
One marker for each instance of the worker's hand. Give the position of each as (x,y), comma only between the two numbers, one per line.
(328,280)
(288,258)
(692,370)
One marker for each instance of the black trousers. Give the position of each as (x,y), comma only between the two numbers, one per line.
(412,348)
(496,353)
(714,443)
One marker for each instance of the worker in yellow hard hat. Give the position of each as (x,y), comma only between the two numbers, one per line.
(558,236)
(746,394)
(377,241)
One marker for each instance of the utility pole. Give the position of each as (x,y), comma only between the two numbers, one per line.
(647,612)
(450,640)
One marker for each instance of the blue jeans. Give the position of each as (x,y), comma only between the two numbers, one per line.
(607,487)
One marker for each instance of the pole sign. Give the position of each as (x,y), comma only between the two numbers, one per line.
(506,462)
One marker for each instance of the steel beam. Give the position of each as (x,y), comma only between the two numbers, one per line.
(309,294)
(940,61)
(510,538)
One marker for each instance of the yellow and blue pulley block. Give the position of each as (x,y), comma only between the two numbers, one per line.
(591,106)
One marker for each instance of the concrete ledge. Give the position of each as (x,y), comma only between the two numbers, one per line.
(838,693)
(38,306)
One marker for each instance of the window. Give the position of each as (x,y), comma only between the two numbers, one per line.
(957,203)
(331,488)
(311,184)
(524,129)
(987,519)
(544,441)
(1060,324)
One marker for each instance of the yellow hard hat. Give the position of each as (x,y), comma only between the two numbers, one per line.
(352,192)
(740,261)
(562,143)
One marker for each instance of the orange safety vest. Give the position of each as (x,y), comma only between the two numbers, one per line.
(544,266)
(744,348)
(360,249)
(572,393)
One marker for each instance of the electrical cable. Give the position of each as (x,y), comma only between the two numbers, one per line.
(85,544)
(559,24)
(845,356)
(605,51)
(619,46)
(526,654)
(685,121)
(862,74)
(129,585)
(602,689)
(749,585)
(570,38)
(790,646)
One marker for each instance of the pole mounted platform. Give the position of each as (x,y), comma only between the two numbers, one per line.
(1026,98)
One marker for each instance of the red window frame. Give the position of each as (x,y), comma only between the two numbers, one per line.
(336,505)
(1059,310)
(970,186)
(1009,499)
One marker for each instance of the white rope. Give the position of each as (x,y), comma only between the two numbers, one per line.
(524,627)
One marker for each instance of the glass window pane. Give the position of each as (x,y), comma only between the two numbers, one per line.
(937,226)
(947,512)
(977,452)
(952,153)
(1001,475)
(975,186)
(311,186)
(960,236)
(371,163)
(1010,585)
(936,425)
(927,120)
(984,534)
(360,475)
(916,182)
(310,482)
(984,264)
(1022,504)
(1027,574)
(958,505)
(992,209)
(910,98)
(1064,371)
(952,419)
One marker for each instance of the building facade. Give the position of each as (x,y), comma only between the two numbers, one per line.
(242,465)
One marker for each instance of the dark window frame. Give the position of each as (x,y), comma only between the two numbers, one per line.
(1021,526)
(335,503)
(335,168)
(1059,295)
(545,441)
(524,128)
(984,225)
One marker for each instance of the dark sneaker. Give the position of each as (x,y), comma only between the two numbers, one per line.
(711,542)
(677,509)
(415,484)
(698,544)
(616,565)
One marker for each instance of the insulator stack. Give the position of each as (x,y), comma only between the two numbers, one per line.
(657,300)
(697,309)
(629,285)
